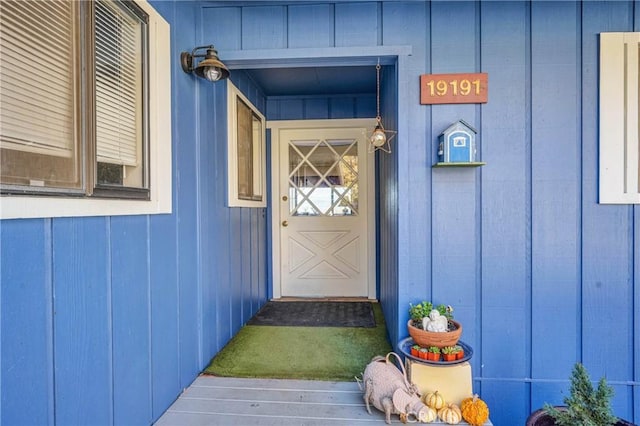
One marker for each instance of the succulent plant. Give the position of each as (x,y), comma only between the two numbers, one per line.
(449,350)
(424,308)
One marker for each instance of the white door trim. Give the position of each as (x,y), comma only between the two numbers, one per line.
(275,127)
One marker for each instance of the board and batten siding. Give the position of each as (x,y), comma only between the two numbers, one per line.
(321,107)
(105,320)
(539,273)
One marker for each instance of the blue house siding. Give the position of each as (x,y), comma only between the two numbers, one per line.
(105,320)
(27,305)
(321,107)
(555,192)
(506,204)
(388,207)
(610,238)
(520,247)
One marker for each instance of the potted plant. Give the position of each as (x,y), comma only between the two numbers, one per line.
(584,405)
(415,349)
(431,325)
(459,351)
(434,353)
(423,353)
(419,311)
(423,309)
(448,353)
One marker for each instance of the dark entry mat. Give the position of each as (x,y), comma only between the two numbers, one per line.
(316,314)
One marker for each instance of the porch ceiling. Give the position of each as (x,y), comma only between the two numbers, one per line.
(305,81)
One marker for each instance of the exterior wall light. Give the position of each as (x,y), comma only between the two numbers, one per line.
(210,68)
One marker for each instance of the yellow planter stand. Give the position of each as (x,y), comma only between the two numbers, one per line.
(453,382)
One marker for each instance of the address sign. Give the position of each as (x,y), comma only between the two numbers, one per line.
(454,88)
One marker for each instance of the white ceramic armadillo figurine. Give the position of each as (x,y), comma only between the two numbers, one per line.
(387,389)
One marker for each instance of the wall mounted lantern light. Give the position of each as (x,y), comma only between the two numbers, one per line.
(211,67)
(378,139)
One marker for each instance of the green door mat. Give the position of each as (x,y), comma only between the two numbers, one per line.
(313,353)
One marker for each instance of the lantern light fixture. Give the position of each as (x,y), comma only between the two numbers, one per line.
(210,68)
(379,139)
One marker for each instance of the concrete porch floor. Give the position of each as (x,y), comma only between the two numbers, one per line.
(234,401)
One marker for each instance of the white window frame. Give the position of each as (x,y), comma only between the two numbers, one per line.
(619,127)
(259,155)
(160,173)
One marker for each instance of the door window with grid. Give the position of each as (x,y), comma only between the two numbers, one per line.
(323,177)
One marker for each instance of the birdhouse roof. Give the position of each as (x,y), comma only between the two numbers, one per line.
(457,125)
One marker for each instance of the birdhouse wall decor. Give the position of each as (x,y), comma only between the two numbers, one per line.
(457,145)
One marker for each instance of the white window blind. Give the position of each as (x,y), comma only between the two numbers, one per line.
(118,85)
(38,98)
(619,124)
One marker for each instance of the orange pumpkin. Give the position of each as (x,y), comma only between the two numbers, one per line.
(474,411)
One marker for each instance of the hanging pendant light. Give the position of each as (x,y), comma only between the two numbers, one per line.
(379,139)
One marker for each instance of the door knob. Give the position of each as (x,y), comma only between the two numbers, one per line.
(285,223)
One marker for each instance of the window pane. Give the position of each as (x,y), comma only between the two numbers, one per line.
(119,73)
(39,122)
(323,177)
(245,150)
(258,156)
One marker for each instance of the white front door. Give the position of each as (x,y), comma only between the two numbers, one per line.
(323,202)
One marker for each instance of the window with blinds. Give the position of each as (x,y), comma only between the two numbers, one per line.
(39,99)
(76,120)
(119,68)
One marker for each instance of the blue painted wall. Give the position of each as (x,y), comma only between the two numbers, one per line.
(321,107)
(540,275)
(105,320)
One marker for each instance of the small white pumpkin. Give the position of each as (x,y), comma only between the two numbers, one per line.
(434,400)
(450,414)
(427,415)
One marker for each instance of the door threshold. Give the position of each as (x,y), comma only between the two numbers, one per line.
(324,299)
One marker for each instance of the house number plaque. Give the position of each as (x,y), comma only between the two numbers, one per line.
(454,88)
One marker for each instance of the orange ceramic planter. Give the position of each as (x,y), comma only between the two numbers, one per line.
(430,338)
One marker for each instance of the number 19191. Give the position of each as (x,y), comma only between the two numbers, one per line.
(458,87)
